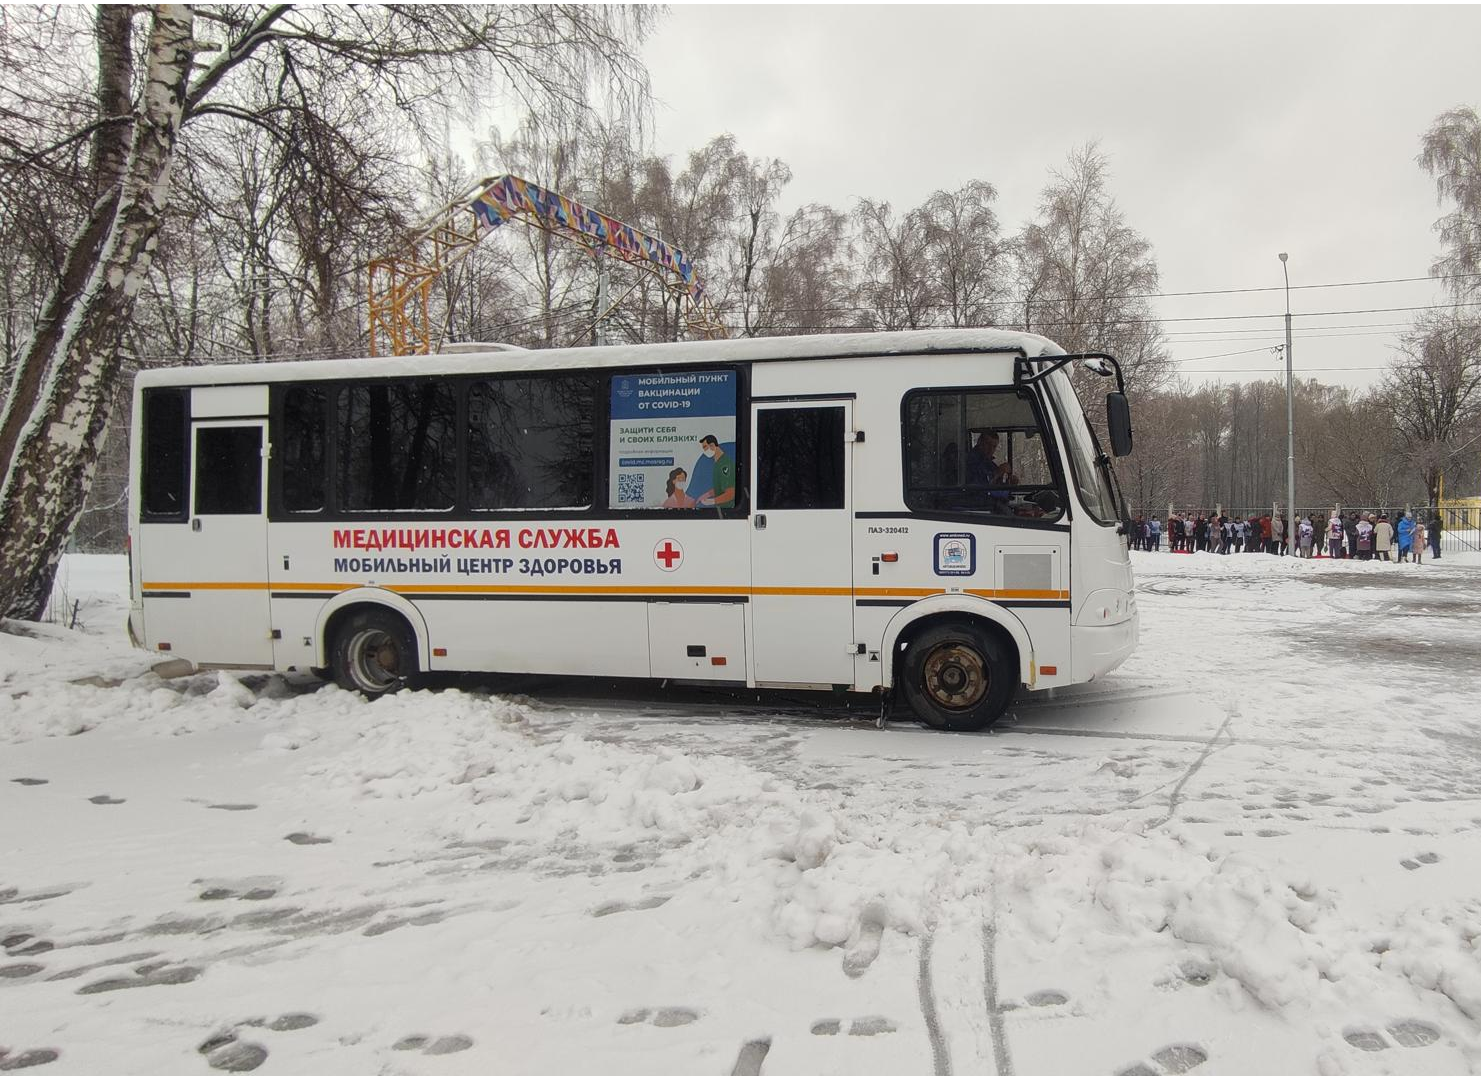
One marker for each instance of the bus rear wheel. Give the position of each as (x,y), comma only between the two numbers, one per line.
(957,677)
(374,653)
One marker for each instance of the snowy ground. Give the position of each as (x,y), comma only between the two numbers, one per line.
(1252,850)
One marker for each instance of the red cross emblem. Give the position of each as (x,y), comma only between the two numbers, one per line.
(668,554)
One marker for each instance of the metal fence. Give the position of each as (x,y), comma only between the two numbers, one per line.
(1460,528)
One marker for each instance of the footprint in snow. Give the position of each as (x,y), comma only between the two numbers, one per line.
(1196,973)
(25,945)
(229,1054)
(866,950)
(105,800)
(1043,999)
(226,1052)
(447,1044)
(615,906)
(1411,1033)
(306,838)
(1424,859)
(748,1061)
(1176,1058)
(861,1025)
(385,926)
(257,888)
(145,975)
(15,895)
(26,1059)
(659,1017)
(29,782)
(231,806)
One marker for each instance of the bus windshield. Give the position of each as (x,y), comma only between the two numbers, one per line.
(1089,465)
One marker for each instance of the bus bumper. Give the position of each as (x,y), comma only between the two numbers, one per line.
(1099,648)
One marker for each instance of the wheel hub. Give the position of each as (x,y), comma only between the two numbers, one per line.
(375,660)
(956,676)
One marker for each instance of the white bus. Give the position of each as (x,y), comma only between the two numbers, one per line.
(924,515)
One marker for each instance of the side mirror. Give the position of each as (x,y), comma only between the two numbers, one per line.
(1118,422)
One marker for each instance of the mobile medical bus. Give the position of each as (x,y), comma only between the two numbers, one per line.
(922,513)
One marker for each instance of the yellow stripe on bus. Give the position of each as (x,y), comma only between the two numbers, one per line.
(658,591)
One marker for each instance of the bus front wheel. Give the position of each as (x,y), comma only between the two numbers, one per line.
(375,652)
(957,677)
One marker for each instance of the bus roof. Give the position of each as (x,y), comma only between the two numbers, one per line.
(684,353)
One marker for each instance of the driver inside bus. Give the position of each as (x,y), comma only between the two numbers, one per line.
(985,472)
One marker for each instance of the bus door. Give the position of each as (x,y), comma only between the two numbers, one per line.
(802,586)
(205,584)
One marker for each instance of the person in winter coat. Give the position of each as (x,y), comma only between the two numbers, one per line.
(1434,534)
(1365,538)
(1305,536)
(1154,533)
(1406,536)
(1350,528)
(1335,535)
(1419,540)
(1383,538)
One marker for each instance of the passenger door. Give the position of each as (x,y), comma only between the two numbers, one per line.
(205,585)
(802,587)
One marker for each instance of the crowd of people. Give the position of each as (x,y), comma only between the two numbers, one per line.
(1355,535)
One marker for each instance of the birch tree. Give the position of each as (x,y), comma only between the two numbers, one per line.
(1451,152)
(1084,272)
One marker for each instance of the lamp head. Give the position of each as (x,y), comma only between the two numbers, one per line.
(1283,256)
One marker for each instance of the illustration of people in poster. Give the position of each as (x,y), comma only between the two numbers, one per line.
(673,440)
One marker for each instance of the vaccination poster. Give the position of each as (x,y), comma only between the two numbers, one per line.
(673,440)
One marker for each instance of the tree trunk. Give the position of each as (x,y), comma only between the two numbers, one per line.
(109,158)
(49,442)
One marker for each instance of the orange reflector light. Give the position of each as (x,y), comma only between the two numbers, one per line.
(1048,670)
(717,661)
(163,646)
(889,558)
(439,651)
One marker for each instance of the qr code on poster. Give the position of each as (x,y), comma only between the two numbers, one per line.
(630,489)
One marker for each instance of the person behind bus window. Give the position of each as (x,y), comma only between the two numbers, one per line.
(722,491)
(677,498)
(984,470)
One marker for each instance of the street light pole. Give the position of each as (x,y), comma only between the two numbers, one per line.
(1290,416)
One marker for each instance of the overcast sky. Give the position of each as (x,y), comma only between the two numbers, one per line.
(1234,133)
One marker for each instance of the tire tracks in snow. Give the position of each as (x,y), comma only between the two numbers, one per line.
(1002,1059)
(1175,798)
(940,1057)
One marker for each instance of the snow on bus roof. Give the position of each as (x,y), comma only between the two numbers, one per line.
(685,353)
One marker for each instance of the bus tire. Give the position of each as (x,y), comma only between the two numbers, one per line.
(957,677)
(374,653)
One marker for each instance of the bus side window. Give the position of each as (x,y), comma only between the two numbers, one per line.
(977,450)
(301,448)
(397,447)
(163,482)
(530,442)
